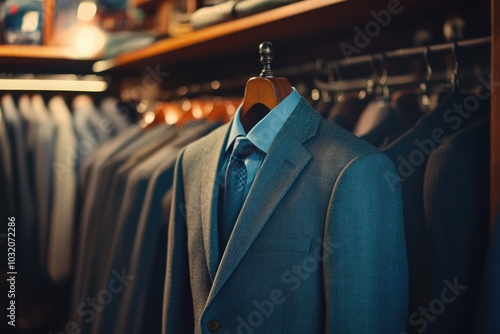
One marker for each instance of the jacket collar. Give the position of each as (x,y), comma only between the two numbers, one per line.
(284,162)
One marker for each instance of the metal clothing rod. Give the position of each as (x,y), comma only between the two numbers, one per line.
(312,67)
(358,84)
(410,52)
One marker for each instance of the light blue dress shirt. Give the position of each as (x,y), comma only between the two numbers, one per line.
(261,135)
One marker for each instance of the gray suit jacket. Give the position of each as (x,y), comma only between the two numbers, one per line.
(22,200)
(43,157)
(116,235)
(318,247)
(95,211)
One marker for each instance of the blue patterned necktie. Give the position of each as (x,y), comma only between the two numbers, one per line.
(234,187)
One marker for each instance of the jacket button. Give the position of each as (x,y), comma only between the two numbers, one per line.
(213,325)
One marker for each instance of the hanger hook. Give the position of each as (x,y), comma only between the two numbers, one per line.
(383,79)
(425,86)
(336,71)
(454,75)
(382,90)
(375,76)
(321,67)
(428,67)
(380,78)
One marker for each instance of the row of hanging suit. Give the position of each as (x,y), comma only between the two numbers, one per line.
(93,193)
(86,188)
(125,204)
(441,153)
(43,143)
(123,211)
(442,159)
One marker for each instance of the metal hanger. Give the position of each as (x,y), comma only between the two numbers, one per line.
(426,100)
(455,82)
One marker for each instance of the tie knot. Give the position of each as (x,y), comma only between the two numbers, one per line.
(242,148)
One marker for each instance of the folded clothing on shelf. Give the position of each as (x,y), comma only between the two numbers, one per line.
(232,9)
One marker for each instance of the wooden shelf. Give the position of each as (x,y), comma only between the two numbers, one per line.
(273,24)
(288,23)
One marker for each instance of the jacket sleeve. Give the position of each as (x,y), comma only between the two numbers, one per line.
(177,305)
(456,210)
(366,272)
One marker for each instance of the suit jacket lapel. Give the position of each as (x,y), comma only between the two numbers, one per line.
(212,157)
(285,160)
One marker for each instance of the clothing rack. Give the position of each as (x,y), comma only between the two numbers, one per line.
(397,80)
(411,52)
(359,84)
(215,86)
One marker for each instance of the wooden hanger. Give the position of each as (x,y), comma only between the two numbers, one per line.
(193,111)
(165,113)
(222,110)
(263,93)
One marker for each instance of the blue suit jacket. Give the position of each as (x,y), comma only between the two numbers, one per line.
(319,245)
(456,202)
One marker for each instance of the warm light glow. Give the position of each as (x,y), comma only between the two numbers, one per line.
(149,117)
(86,11)
(53,85)
(182,90)
(87,41)
(208,107)
(230,109)
(171,118)
(315,94)
(30,21)
(215,84)
(142,107)
(186,105)
(197,112)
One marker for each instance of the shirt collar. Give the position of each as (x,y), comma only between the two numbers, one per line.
(264,132)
